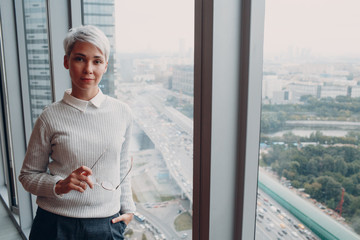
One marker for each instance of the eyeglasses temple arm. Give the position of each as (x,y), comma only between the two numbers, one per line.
(131,165)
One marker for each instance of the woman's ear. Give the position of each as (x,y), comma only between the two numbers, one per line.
(106,67)
(66,62)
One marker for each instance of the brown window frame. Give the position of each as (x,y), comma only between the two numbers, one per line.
(202,117)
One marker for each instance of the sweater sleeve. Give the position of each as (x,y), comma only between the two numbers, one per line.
(126,199)
(34,175)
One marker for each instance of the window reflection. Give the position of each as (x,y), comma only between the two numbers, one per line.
(309,155)
(37,49)
(152,47)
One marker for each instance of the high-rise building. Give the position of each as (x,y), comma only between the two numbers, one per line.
(101,13)
(298,89)
(37,53)
(333,91)
(183,79)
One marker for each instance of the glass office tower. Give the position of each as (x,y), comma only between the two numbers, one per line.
(38,59)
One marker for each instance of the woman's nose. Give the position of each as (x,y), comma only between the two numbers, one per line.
(88,68)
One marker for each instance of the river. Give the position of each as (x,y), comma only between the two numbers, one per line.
(307,132)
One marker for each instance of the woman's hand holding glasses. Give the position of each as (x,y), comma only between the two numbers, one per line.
(77,180)
(105,184)
(81,177)
(108,185)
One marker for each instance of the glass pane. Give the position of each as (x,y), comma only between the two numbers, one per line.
(309,173)
(37,49)
(152,59)
(7,170)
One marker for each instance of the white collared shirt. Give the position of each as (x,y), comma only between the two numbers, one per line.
(82,104)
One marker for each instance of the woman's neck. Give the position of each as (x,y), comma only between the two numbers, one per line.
(85,95)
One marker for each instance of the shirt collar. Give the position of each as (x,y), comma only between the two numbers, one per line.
(82,104)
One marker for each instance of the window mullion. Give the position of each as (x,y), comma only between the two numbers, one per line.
(202,117)
(57,30)
(252,32)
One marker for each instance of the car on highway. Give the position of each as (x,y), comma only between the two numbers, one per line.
(138,217)
(184,235)
(295,235)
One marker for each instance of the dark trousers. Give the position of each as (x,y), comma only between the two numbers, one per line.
(50,226)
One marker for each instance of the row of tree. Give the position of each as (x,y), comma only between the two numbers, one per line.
(289,138)
(185,107)
(322,172)
(342,108)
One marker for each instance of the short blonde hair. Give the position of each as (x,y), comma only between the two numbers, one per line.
(90,34)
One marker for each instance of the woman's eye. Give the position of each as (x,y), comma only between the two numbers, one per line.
(98,61)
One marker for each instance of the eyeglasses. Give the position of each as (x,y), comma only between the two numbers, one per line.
(105,184)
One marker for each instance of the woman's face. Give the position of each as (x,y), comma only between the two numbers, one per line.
(86,65)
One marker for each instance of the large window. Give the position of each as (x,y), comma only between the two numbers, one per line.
(152,70)
(309,173)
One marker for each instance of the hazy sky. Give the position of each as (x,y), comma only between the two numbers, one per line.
(155,25)
(327,27)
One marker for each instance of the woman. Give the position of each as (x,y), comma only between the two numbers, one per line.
(86,135)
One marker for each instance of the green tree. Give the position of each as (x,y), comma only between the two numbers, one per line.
(314,189)
(353,168)
(355,224)
(330,188)
(340,166)
(289,174)
(188,110)
(172,101)
(327,163)
(295,166)
(296,184)
(312,166)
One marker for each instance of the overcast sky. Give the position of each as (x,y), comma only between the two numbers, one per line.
(327,27)
(156,25)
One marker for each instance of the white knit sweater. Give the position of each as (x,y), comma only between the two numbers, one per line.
(73,132)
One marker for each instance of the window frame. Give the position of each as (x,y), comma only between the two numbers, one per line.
(202,117)
(13,113)
(4,181)
(251,67)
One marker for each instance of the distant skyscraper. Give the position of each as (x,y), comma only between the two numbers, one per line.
(101,13)
(37,53)
(183,79)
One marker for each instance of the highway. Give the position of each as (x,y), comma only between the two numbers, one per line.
(157,223)
(275,222)
(313,216)
(164,129)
